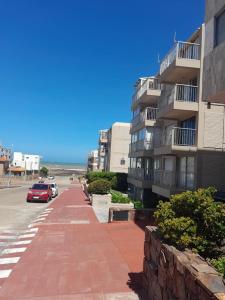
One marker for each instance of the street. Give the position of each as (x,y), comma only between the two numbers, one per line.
(15,212)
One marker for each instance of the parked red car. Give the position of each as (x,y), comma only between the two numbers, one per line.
(40,192)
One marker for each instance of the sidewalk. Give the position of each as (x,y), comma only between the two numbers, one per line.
(73,256)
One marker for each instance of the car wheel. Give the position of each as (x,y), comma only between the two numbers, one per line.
(28,200)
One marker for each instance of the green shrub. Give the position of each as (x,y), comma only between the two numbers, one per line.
(92,176)
(118,197)
(219,264)
(100,187)
(192,220)
(118,180)
(138,204)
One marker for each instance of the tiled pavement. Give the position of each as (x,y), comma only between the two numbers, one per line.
(68,255)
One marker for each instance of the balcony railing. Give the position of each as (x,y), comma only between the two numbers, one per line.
(140,174)
(170,179)
(164,178)
(149,84)
(149,113)
(181,93)
(180,50)
(141,145)
(178,136)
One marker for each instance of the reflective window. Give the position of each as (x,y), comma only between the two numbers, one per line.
(220,29)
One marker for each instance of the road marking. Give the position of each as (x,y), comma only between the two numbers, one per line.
(19,243)
(50,208)
(7,237)
(39,219)
(5,273)
(78,206)
(43,215)
(25,236)
(32,230)
(80,222)
(9,260)
(13,250)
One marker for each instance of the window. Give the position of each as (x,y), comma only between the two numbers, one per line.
(220,28)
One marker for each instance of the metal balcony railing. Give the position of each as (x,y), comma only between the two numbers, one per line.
(177,136)
(184,136)
(181,93)
(172,179)
(182,50)
(149,84)
(141,174)
(164,178)
(149,113)
(141,145)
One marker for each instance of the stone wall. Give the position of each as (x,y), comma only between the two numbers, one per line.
(170,274)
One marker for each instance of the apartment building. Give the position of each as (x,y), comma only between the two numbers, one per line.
(102,149)
(93,161)
(118,140)
(143,130)
(177,137)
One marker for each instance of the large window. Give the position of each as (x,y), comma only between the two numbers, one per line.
(220,28)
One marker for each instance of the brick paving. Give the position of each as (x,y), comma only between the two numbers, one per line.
(73,256)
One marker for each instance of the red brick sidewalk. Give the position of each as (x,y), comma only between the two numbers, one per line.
(75,257)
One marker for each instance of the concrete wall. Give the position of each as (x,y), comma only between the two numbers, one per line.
(119,140)
(214,61)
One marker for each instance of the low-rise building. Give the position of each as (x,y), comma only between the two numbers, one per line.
(5,159)
(25,163)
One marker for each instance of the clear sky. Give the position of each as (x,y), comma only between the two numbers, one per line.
(67,67)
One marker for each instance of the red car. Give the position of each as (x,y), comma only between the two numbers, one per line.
(40,192)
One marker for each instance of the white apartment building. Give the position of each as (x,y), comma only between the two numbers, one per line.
(27,162)
(102,149)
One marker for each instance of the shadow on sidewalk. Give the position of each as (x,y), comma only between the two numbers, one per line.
(136,284)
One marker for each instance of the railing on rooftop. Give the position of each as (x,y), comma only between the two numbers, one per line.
(182,50)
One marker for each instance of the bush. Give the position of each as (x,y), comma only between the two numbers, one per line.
(192,220)
(118,180)
(219,265)
(138,204)
(92,176)
(44,172)
(118,197)
(100,187)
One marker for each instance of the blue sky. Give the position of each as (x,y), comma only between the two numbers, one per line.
(67,67)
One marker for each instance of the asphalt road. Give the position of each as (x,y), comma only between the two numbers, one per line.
(15,212)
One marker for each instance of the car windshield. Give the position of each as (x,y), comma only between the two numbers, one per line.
(40,187)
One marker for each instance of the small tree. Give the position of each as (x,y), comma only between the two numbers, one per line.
(44,172)
(100,187)
(192,220)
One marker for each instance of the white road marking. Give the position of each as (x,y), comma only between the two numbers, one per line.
(13,250)
(80,222)
(9,260)
(39,219)
(7,237)
(25,236)
(19,243)
(32,230)
(5,273)
(50,208)
(43,215)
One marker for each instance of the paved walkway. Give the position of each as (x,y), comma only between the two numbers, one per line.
(74,257)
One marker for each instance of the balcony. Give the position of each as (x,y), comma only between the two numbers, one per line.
(180,102)
(167,183)
(141,148)
(140,177)
(103,137)
(181,64)
(145,118)
(148,92)
(176,139)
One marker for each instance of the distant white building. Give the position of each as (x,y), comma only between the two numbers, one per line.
(25,162)
(93,161)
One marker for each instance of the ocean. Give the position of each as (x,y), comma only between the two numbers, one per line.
(64,166)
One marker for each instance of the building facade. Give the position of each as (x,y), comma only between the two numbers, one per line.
(93,161)
(102,149)
(214,61)
(25,163)
(118,148)
(177,137)
(5,159)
